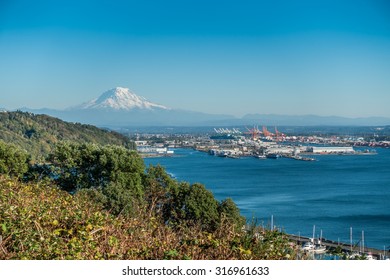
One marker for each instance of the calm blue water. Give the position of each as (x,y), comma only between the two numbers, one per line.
(333,193)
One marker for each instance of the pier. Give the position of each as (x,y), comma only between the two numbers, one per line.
(345,247)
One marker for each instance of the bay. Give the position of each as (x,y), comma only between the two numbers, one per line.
(334,193)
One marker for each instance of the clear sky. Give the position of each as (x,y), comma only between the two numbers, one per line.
(234,57)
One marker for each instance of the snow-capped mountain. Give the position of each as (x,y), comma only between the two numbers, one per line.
(120,99)
(119,107)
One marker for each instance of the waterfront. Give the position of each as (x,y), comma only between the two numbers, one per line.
(334,193)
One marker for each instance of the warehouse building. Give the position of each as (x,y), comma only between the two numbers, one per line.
(330,150)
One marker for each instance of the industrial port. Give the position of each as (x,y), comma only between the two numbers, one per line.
(253,142)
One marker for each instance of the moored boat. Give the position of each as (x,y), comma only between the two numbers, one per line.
(260,156)
(308,246)
(314,247)
(273,156)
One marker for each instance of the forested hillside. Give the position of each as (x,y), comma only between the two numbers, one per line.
(38,134)
(83,197)
(89,201)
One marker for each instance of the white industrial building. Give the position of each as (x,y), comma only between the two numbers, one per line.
(281,150)
(330,150)
(154,150)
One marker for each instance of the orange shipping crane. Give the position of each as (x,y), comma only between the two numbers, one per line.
(279,135)
(266,132)
(254,132)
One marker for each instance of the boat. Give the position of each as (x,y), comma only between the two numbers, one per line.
(361,256)
(273,156)
(354,256)
(308,159)
(302,158)
(314,247)
(308,246)
(233,156)
(260,156)
(319,249)
(370,257)
(222,153)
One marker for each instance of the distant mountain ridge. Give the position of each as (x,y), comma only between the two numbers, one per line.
(119,107)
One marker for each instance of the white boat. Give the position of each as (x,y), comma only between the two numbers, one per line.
(360,256)
(313,247)
(354,256)
(308,246)
(319,249)
(233,156)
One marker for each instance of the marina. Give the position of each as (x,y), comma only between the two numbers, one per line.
(339,248)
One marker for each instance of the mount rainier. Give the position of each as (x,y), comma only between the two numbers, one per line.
(120,99)
(119,107)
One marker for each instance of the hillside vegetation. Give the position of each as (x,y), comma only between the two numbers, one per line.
(40,221)
(38,134)
(91,201)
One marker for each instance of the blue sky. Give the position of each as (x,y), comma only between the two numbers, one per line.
(232,57)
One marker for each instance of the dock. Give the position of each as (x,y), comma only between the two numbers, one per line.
(345,247)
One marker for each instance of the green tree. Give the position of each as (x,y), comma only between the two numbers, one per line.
(92,166)
(13,161)
(179,204)
(118,198)
(159,192)
(229,210)
(185,204)
(114,172)
(201,207)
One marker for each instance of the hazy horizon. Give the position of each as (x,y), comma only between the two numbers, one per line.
(325,58)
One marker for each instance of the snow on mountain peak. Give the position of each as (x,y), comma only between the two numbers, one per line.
(120,99)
